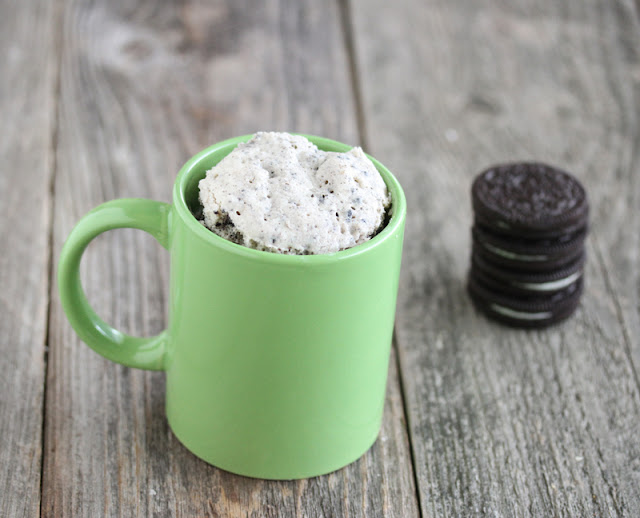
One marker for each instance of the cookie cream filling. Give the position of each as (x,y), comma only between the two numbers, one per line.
(511,255)
(521,315)
(551,285)
(280,193)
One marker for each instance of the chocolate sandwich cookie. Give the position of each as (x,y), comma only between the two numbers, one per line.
(530,312)
(523,283)
(527,261)
(529,200)
(528,254)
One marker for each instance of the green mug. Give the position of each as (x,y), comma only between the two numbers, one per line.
(276,364)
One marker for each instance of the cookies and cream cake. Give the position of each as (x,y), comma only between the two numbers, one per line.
(279,193)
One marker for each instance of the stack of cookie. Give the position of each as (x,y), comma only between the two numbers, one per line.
(528,254)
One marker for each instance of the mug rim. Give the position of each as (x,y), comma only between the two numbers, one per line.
(398,207)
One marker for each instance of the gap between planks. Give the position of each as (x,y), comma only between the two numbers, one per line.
(346,23)
(57,46)
(344,7)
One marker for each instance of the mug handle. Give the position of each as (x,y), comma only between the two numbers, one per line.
(150,216)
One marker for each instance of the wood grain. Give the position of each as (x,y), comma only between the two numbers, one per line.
(144,85)
(28,57)
(617,242)
(505,422)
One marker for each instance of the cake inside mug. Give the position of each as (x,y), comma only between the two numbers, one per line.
(279,193)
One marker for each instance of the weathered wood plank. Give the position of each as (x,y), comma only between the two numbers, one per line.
(28,57)
(617,240)
(144,86)
(506,422)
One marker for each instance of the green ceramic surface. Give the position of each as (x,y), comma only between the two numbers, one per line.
(276,365)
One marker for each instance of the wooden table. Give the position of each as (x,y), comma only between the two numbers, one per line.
(106,99)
